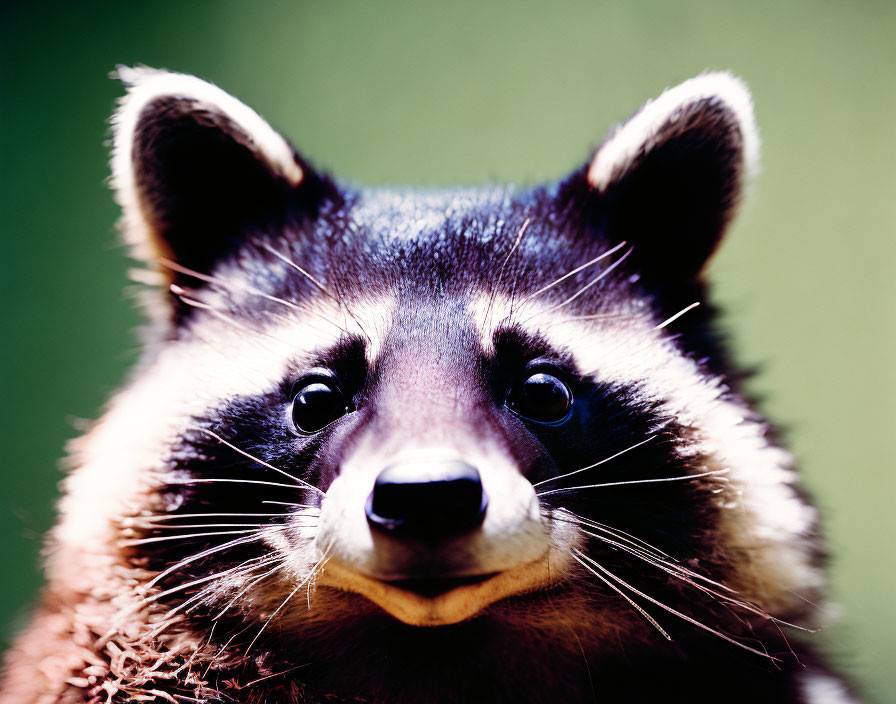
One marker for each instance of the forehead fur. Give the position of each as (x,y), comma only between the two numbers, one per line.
(421,246)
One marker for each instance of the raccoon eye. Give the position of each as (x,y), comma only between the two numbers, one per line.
(541,397)
(316,402)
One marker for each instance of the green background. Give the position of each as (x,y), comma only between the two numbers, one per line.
(438,93)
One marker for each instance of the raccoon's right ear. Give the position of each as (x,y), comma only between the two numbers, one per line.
(668,180)
(195,171)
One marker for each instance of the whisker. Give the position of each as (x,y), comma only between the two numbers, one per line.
(636,481)
(606,272)
(267,677)
(208,578)
(253,331)
(500,277)
(155,597)
(249,586)
(597,464)
(221,284)
(256,459)
(671,568)
(172,516)
(225,480)
(622,536)
(651,554)
(154,526)
(682,573)
(224,647)
(516,243)
(675,317)
(301,584)
(650,619)
(289,503)
(685,617)
(304,273)
(180,269)
(204,553)
(187,536)
(618,533)
(193,602)
(575,271)
(593,316)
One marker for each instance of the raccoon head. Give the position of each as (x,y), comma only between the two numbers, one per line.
(423,408)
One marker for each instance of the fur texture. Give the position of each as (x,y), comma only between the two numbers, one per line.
(650,542)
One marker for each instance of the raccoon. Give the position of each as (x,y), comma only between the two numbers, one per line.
(392,445)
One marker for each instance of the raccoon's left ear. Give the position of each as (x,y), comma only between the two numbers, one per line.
(195,171)
(667,181)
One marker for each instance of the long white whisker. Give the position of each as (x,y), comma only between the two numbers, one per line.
(256,459)
(688,576)
(624,538)
(636,481)
(593,316)
(174,266)
(226,480)
(155,597)
(672,568)
(675,317)
(575,271)
(253,331)
(650,619)
(194,602)
(251,584)
(301,584)
(685,617)
(178,526)
(304,273)
(289,503)
(596,464)
(500,277)
(204,553)
(606,272)
(615,532)
(242,566)
(187,536)
(153,518)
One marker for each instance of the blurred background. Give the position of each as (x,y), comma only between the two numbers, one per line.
(432,92)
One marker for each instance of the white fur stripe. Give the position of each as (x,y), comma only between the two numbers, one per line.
(618,152)
(146,85)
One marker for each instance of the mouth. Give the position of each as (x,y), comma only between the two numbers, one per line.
(438,601)
(431,588)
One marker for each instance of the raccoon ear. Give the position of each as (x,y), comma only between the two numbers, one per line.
(667,181)
(194,169)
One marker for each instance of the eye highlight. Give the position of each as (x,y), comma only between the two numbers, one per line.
(541,397)
(317,400)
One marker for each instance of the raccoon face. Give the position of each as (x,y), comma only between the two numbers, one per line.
(382,406)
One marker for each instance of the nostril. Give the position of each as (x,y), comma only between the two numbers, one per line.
(427,500)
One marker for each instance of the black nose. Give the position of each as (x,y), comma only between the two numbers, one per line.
(430,500)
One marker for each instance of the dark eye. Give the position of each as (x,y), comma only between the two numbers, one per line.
(317,401)
(541,397)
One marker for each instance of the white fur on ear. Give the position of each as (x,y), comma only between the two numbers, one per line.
(647,127)
(146,86)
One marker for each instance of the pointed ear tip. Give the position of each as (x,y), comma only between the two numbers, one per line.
(144,85)
(139,74)
(734,93)
(141,83)
(721,87)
